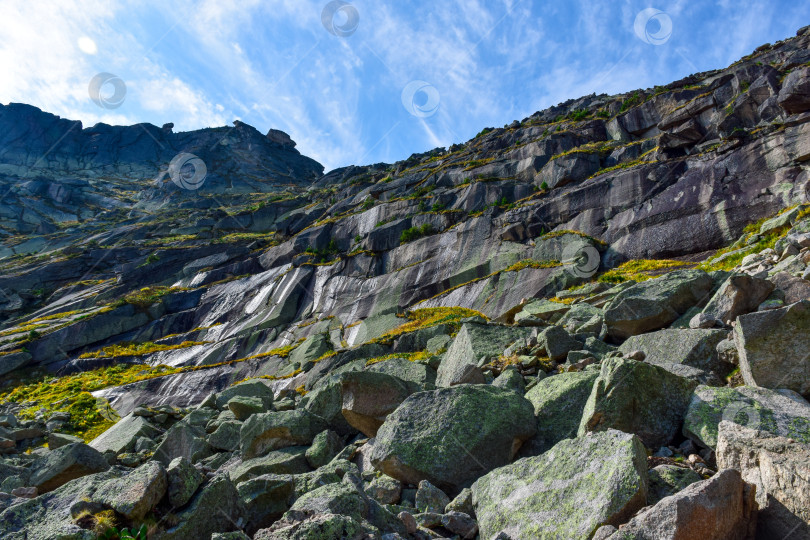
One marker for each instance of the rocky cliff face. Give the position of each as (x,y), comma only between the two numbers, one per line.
(610,295)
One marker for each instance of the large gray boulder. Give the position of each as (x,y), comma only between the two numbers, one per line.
(636,397)
(65,464)
(558,404)
(137,493)
(271,431)
(453,435)
(773,347)
(780,469)
(251,388)
(183,479)
(666,480)
(460,362)
(721,508)
(656,303)
(290,460)
(755,408)
(690,347)
(568,492)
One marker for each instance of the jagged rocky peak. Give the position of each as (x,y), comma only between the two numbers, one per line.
(597,314)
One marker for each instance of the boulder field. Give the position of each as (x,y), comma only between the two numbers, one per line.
(591,323)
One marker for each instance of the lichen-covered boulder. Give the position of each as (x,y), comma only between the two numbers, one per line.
(183,440)
(738,295)
(251,388)
(636,397)
(317,527)
(243,407)
(289,460)
(216,507)
(326,401)
(64,464)
(773,347)
(270,431)
(656,303)
(137,493)
(265,499)
(755,408)
(183,480)
(558,404)
(794,96)
(408,371)
(451,436)
(666,480)
(460,362)
(690,347)
(568,492)
(325,446)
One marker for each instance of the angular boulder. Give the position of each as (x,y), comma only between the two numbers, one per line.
(755,408)
(690,347)
(368,397)
(568,492)
(183,479)
(558,404)
(779,467)
(137,493)
(65,464)
(636,397)
(215,508)
(251,388)
(774,347)
(738,295)
(460,362)
(794,96)
(183,440)
(122,436)
(666,480)
(656,303)
(453,435)
(721,508)
(271,431)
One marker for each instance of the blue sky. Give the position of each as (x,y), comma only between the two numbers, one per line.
(463,65)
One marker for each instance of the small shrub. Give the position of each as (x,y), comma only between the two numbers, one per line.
(544,186)
(415,233)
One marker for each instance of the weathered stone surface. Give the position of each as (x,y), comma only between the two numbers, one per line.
(414,372)
(738,295)
(326,402)
(64,464)
(122,436)
(429,498)
(271,431)
(252,388)
(639,398)
(780,469)
(226,436)
(452,436)
(325,446)
(557,342)
(319,526)
(773,347)
(721,508)
(461,524)
(289,460)
(216,507)
(794,96)
(756,408)
(265,499)
(473,341)
(568,492)
(558,404)
(137,493)
(691,347)
(243,406)
(369,397)
(58,440)
(510,379)
(384,489)
(183,479)
(666,480)
(654,304)
(183,440)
